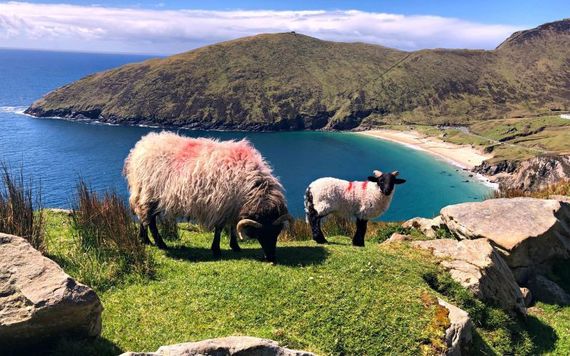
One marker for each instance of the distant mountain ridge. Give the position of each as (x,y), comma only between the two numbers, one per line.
(290,81)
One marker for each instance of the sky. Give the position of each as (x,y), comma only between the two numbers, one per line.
(166,27)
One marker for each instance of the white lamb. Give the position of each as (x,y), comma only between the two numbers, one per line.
(359,200)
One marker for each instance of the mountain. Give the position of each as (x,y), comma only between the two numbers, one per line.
(290,81)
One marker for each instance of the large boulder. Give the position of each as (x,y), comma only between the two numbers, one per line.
(226,346)
(478,267)
(528,232)
(38,300)
(458,335)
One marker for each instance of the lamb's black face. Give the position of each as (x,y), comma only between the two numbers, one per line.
(386,182)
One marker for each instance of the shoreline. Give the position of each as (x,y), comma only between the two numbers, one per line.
(462,156)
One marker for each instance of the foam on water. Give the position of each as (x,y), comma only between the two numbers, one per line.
(13,109)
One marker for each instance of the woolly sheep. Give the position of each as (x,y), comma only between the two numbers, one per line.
(358,200)
(217,184)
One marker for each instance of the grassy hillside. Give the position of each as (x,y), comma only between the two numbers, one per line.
(291,81)
(511,139)
(332,300)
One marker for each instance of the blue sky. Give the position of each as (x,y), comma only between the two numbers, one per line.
(165,27)
(529,12)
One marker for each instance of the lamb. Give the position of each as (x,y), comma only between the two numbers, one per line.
(358,200)
(218,184)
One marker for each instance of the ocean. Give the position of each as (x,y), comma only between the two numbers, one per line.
(57,152)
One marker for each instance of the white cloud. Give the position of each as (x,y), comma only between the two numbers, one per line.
(96,28)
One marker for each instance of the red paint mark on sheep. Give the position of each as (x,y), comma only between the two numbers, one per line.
(349,188)
(364,184)
(189,150)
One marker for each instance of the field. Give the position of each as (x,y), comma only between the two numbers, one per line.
(508,139)
(332,300)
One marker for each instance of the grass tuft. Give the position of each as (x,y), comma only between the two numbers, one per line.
(21,211)
(108,245)
(168,228)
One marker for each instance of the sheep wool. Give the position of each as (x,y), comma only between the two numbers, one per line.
(361,200)
(207,180)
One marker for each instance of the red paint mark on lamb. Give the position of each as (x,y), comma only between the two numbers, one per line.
(364,184)
(349,188)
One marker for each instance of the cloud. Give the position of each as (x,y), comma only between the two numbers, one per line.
(96,28)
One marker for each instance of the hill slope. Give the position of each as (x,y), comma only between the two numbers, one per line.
(290,81)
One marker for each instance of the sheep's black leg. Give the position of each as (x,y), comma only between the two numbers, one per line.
(358,239)
(318,235)
(143,234)
(234,239)
(154,231)
(216,243)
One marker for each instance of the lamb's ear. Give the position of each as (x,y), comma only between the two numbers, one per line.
(373,179)
(399,181)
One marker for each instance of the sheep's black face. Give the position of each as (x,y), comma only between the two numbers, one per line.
(387,181)
(267,236)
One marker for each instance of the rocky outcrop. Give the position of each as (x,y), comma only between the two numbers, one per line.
(38,300)
(459,333)
(226,346)
(428,227)
(396,237)
(530,175)
(528,232)
(477,266)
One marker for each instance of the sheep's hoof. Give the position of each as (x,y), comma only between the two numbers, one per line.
(358,244)
(236,248)
(321,241)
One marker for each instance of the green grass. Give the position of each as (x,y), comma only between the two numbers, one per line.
(332,300)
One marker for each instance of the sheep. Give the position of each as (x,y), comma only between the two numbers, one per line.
(360,200)
(218,184)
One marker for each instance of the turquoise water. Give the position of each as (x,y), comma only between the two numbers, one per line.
(60,151)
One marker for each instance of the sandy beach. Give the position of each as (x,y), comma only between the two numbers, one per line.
(463,156)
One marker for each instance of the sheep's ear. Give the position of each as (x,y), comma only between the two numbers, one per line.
(377,173)
(395,173)
(399,181)
(373,179)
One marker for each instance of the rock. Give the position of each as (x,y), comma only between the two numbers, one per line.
(529,175)
(547,291)
(226,346)
(477,266)
(396,237)
(459,333)
(38,300)
(562,198)
(527,296)
(427,227)
(527,231)
(67,212)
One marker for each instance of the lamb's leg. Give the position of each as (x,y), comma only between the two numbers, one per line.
(358,239)
(313,218)
(216,243)
(154,231)
(234,239)
(318,235)
(143,234)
